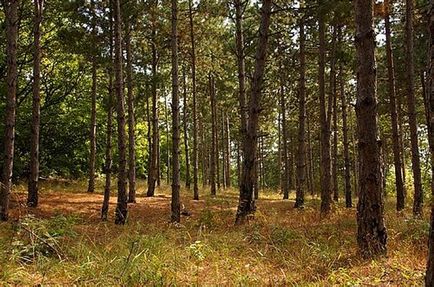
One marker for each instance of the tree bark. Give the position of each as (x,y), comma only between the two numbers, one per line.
(325,130)
(92,133)
(399,184)
(285,178)
(371,231)
(32,198)
(301,150)
(228,152)
(194,108)
(175,205)
(246,202)
(185,117)
(411,104)
(121,207)
(154,166)
(131,119)
(213,153)
(11,14)
(108,151)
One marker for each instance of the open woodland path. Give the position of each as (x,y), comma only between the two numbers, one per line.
(282,246)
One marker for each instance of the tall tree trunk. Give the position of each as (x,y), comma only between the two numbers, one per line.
(175,206)
(286,176)
(213,153)
(393,114)
(310,158)
(347,165)
(411,104)
(301,150)
(187,155)
(108,151)
(332,114)
(168,165)
(325,130)
(92,133)
(371,232)
(131,120)
(11,13)
(429,278)
(228,151)
(32,198)
(153,175)
(223,148)
(246,202)
(121,207)
(194,108)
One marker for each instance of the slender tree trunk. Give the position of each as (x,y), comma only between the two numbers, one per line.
(228,152)
(399,184)
(131,121)
(371,231)
(176,209)
(153,175)
(285,178)
(194,108)
(32,198)
(213,153)
(301,150)
(411,103)
(223,148)
(187,155)
(108,151)
(400,111)
(121,207)
(325,130)
(168,165)
(92,134)
(309,158)
(429,278)
(11,13)
(347,165)
(247,203)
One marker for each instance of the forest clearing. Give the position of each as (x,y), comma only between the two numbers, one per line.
(283,246)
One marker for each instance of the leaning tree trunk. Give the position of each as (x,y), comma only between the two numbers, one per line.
(131,120)
(153,175)
(92,132)
(371,231)
(11,13)
(301,151)
(429,278)
(195,157)
(246,202)
(121,207)
(108,151)
(400,198)
(175,206)
(32,198)
(185,129)
(411,104)
(325,131)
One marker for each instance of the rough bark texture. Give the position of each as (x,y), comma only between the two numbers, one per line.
(246,202)
(285,160)
(185,130)
(347,164)
(92,130)
(32,198)
(11,13)
(131,120)
(195,158)
(429,278)
(411,105)
(325,131)
(332,114)
(175,205)
(227,151)
(153,166)
(121,207)
(213,153)
(399,184)
(371,231)
(108,150)
(301,150)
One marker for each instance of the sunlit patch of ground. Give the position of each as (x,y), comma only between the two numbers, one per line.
(63,242)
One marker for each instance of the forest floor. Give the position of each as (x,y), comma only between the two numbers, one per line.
(63,242)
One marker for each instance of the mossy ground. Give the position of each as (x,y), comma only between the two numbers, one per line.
(63,242)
